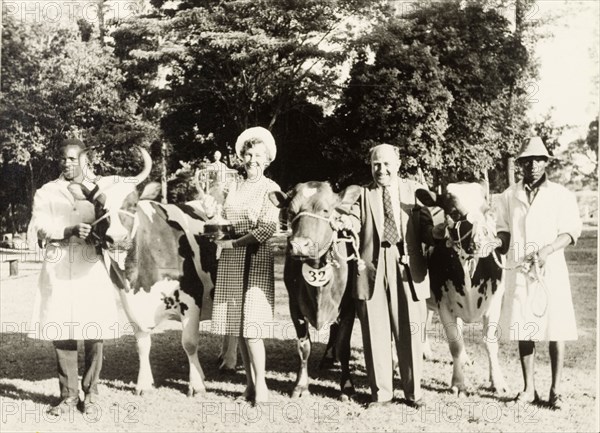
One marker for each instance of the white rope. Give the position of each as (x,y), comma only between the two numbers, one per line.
(335,239)
(525,268)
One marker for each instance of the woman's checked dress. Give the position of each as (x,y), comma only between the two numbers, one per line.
(247,313)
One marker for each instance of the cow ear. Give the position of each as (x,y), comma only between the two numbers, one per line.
(428,198)
(349,197)
(151,191)
(279,199)
(79,191)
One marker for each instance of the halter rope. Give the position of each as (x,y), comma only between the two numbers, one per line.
(335,239)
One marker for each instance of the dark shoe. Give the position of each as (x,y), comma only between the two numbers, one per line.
(66,405)
(556,401)
(415,404)
(523,397)
(89,405)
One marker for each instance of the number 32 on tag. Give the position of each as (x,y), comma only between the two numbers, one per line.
(317,276)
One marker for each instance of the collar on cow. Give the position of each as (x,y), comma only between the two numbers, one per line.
(335,239)
(314,215)
(329,220)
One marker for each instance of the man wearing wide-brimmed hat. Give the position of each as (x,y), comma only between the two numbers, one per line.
(538,219)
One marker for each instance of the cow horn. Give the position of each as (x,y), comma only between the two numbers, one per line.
(197,184)
(147,166)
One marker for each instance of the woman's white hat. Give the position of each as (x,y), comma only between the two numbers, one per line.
(258,133)
(533,147)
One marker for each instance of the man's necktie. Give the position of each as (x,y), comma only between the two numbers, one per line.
(390,229)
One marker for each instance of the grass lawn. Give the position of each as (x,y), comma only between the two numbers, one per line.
(28,377)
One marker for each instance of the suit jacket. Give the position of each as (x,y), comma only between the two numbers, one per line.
(416,228)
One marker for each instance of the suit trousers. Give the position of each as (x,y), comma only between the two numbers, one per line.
(405,320)
(68,371)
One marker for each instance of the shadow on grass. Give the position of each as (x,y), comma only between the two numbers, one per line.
(8,390)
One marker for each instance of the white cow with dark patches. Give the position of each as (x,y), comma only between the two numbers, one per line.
(162,267)
(466,279)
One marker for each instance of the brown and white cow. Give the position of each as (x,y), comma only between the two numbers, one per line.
(162,268)
(316,271)
(466,280)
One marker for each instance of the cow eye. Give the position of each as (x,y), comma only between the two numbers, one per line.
(455,215)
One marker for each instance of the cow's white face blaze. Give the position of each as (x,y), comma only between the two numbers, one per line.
(115,199)
(120,201)
(472,227)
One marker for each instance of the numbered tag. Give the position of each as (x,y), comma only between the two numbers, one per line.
(317,277)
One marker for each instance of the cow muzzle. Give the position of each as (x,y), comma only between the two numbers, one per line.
(117,239)
(303,248)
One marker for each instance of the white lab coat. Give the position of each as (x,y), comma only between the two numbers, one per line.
(76,298)
(528,311)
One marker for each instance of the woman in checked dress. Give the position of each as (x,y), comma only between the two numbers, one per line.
(244,293)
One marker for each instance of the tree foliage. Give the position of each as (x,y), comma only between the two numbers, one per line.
(444,80)
(229,65)
(447,82)
(56,85)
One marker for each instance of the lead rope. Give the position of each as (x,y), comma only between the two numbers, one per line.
(533,286)
(335,239)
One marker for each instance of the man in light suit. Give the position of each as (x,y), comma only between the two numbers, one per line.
(391,289)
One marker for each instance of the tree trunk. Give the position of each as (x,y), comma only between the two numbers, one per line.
(101,27)
(510,171)
(163,172)
(31,186)
(11,219)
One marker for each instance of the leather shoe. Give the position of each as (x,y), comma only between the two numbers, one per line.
(66,405)
(415,404)
(89,406)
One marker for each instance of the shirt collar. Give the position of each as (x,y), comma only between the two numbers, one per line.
(535,185)
(392,185)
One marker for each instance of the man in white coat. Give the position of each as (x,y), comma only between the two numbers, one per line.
(75,300)
(538,218)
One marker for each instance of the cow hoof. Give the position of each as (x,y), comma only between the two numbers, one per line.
(327,363)
(196,393)
(300,391)
(499,390)
(144,391)
(348,390)
(223,369)
(459,391)
(348,395)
